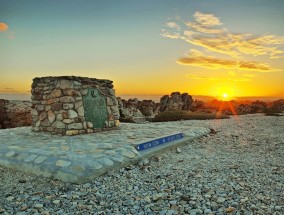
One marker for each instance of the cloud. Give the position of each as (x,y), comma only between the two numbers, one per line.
(3,27)
(173,25)
(197,59)
(201,77)
(8,90)
(208,20)
(208,33)
(202,29)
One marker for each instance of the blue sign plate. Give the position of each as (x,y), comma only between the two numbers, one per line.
(159,141)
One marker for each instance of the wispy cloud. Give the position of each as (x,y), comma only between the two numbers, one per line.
(206,31)
(8,90)
(3,27)
(207,19)
(201,77)
(195,58)
(173,25)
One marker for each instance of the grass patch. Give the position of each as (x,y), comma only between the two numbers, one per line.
(176,115)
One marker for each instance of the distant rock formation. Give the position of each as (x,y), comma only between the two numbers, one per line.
(176,101)
(15,113)
(133,110)
(278,105)
(244,109)
(258,106)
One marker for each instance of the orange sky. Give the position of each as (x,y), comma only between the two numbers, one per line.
(147,48)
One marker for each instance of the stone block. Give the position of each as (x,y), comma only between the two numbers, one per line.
(38,123)
(51,101)
(42,116)
(111,92)
(78,105)
(75,126)
(81,111)
(114,110)
(68,106)
(109,101)
(34,112)
(111,123)
(47,107)
(84,125)
(67,121)
(117,123)
(67,99)
(71,92)
(59,130)
(72,132)
(59,117)
(46,96)
(90,125)
(90,131)
(49,129)
(56,93)
(56,106)
(84,92)
(45,123)
(58,124)
(65,115)
(72,114)
(51,116)
(40,107)
(65,84)
(41,84)
(82,132)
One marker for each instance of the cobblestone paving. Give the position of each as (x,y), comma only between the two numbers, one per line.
(83,157)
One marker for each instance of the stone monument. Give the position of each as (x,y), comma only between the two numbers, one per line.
(70,105)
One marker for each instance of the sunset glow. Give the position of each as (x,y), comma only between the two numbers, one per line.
(146,47)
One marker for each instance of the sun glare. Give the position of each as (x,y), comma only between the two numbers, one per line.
(225,97)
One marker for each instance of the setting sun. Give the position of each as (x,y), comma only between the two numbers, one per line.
(225,95)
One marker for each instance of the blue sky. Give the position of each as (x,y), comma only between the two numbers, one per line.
(123,41)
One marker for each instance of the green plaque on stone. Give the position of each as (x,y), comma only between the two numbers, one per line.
(95,108)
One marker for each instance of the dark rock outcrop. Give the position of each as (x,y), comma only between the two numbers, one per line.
(278,105)
(176,101)
(129,112)
(258,107)
(244,109)
(15,113)
(133,110)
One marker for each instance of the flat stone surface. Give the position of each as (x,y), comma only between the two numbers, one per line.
(81,158)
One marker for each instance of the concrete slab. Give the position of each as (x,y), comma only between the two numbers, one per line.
(78,159)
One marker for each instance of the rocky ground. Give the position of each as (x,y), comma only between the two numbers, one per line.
(238,169)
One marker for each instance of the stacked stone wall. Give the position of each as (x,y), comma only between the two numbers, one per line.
(57,104)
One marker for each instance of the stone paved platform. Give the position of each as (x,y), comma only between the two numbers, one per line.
(78,159)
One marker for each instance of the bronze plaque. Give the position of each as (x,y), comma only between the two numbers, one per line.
(95,108)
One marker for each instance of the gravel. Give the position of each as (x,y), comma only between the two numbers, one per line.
(237,169)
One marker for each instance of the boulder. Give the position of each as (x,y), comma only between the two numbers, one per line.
(176,101)
(14,113)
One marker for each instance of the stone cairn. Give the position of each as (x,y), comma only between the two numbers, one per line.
(58,105)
